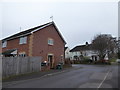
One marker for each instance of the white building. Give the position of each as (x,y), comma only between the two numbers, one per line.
(67,53)
(83,51)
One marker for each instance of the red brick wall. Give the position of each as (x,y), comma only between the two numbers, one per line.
(40,44)
(41,47)
(12,44)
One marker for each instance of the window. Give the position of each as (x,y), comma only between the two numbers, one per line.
(50,41)
(23,40)
(4,44)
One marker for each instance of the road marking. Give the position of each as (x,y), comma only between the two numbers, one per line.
(103,79)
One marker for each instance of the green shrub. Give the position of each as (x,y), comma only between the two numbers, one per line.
(85,60)
(118,54)
(76,62)
(102,62)
(113,60)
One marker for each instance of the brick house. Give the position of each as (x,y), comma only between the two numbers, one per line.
(44,40)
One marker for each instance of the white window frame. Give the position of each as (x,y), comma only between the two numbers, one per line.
(4,44)
(50,41)
(23,40)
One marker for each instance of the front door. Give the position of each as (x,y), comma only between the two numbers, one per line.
(50,59)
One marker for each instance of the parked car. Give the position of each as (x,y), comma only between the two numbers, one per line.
(118,60)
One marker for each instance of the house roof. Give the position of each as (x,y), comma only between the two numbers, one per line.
(32,30)
(8,52)
(81,48)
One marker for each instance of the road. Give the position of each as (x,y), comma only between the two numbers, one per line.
(80,76)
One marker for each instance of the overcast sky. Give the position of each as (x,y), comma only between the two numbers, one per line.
(77,21)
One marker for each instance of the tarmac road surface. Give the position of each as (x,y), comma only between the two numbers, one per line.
(81,76)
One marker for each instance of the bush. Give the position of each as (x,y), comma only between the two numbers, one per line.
(113,60)
(67,61)
(118,54)
(102,62)
(85,60)
(76,62)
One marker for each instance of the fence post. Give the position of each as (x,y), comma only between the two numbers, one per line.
(17,66)
(40,62)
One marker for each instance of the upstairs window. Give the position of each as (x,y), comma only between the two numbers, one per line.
(4,44)
(23,40)
(50,41)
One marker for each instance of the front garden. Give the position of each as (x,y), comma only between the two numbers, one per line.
(87,60)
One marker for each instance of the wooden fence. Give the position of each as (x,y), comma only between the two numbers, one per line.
(20,65)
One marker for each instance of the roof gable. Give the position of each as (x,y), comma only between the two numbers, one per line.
(32,30)
(23,33)
(81,48)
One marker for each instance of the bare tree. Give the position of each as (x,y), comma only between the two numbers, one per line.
(104,44)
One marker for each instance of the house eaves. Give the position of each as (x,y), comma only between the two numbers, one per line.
(81,48)
(32,30)
(27,32)
(41,28)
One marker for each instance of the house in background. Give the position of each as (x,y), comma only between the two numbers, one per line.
(44,40)
(67,53)
(0,48)
(83,51)
(118,43)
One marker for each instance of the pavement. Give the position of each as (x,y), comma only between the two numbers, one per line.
(35,75)
(79,76)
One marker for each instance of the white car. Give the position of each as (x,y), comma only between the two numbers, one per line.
(118,60)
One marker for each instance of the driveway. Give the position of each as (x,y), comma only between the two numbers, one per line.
(80,76)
